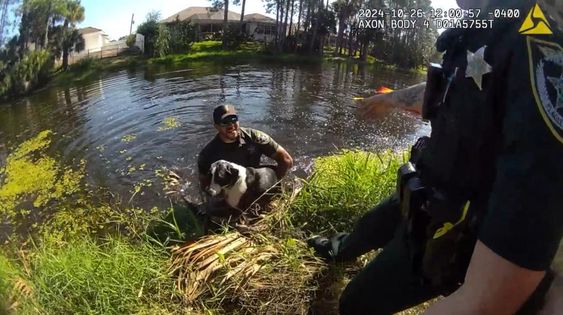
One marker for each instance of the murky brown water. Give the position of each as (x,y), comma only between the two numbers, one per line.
(118,121)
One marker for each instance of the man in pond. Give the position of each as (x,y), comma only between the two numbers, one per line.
(477,215)
(244,146)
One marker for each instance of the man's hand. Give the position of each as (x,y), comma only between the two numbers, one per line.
(284,160)
(493,285)
(409,98)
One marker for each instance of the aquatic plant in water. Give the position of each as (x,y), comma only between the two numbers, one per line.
(169,123)
(32,179)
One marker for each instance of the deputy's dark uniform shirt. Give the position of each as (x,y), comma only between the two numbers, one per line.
(246,151)
(502,147)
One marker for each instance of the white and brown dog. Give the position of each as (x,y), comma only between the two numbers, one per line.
(240,186)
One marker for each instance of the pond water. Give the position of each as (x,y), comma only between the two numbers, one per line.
(128,124)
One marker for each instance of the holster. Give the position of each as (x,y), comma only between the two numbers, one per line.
(437,231)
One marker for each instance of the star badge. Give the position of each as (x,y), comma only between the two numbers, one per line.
(477,66)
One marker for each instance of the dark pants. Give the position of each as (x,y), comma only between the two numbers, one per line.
(387,284)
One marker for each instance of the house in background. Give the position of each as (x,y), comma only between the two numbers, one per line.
(98,45)
(94,38)
(209,21)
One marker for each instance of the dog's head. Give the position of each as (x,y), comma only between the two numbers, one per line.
(224,174)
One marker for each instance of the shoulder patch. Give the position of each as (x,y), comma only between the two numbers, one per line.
(546,78)
(261,138)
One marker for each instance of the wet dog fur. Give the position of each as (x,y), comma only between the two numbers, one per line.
(240,186)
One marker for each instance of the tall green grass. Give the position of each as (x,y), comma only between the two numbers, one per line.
(343,187)
(87,277)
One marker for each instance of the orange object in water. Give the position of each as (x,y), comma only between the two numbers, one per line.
(383,90)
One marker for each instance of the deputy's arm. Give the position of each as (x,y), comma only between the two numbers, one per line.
(409,98)
(284,160)
(493,285)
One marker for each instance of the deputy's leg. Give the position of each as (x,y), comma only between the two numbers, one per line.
(373,230)
(386,285)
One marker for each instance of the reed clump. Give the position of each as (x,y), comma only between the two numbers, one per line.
(342,188)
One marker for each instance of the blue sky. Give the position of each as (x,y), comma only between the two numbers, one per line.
(114,16)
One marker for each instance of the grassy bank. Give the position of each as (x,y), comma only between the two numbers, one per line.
(202,51)
(90,67)
(250,51)
(91,257)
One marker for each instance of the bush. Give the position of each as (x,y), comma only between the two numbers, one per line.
(162,45)
(31,71)
(130,41)
(182,36)
(149,29)
(235,37)
(343,187)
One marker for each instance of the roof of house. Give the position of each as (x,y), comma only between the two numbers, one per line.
(211,15)
(88,30)
(257,17)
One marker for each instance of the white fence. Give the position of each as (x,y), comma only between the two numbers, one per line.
(111,49)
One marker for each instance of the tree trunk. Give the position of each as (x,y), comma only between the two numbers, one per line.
(291,20)
(225,23)
(242,17)
(339,36)
(299,15)
(280,28)
(65,45)
(308,16)
(277,37)
(46,41)
(350,37)
(285,23)
(315,29)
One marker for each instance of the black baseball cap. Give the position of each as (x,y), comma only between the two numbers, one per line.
(224,113)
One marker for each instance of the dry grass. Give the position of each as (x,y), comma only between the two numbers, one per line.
(263,272)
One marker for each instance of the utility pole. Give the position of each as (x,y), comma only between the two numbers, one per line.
(132,22)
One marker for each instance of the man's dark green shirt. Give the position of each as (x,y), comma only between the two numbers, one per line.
(246,151)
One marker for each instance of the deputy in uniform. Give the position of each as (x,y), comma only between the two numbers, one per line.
(244,146)
(478,212)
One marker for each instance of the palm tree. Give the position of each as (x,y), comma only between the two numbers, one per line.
(73,13)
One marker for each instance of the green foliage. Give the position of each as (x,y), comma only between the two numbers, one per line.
(14,288)
(86,277)
(149,29)
(85,64)
(343,187)
(234,37)
(32,70)
(130,41)
(182,35)
(162,46)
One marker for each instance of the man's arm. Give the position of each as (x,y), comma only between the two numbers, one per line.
(409,98)
(493,285)
(284,160)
